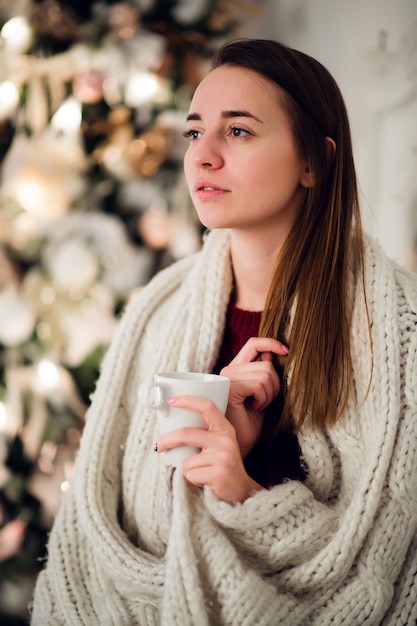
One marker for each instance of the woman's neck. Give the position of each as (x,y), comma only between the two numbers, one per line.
(253,265)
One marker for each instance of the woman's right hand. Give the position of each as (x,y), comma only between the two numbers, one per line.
(254,384)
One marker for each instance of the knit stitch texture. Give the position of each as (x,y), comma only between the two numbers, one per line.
(134,544)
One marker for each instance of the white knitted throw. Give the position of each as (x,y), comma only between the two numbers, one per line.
(134,543)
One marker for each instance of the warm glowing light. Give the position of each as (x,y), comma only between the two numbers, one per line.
(17,34)
(48,374)
(9,99)
(42,197)
(140,88)
(31,193)
(68,117)
(3,417)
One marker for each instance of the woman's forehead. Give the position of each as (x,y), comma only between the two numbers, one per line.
(235,87)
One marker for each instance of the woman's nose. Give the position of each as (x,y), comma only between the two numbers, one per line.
(207,153)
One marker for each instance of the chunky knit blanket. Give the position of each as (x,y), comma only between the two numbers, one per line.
(134,543)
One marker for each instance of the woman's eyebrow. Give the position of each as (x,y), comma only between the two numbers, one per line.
(226,115)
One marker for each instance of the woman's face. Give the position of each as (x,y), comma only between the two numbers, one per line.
(243,168)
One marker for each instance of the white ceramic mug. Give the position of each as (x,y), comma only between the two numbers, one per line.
(154,395)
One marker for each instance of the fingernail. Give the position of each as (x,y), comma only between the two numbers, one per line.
(286,350)
(171,400)
(155,447)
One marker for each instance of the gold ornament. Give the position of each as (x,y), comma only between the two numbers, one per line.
(147,152)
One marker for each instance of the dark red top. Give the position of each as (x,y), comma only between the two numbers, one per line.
(272,461)
(240,326)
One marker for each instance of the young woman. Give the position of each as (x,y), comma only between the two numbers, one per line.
(302,506)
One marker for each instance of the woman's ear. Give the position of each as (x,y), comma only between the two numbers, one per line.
(331,150)
(308,178)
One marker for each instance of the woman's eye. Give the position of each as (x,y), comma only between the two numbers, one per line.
(235,131)
(192,134)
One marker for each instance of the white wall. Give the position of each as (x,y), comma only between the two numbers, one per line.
(370,46)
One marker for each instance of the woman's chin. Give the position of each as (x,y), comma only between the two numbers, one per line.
(213,222)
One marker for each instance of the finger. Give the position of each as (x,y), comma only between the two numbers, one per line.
(253,379)
(182,437)
(254,370)
(195,437)
(256,346)
(226,477)
(222,459)
(262,388)
(212,416)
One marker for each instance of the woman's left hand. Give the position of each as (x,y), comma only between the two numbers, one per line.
(219,465)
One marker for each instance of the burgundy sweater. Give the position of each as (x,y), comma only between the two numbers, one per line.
(271,461)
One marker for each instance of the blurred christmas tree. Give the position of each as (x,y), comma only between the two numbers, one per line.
(93,97)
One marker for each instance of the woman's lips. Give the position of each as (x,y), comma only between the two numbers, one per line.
(208,191)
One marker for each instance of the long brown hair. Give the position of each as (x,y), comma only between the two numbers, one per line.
(308,305)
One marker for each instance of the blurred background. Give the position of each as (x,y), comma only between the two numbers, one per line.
(93,98)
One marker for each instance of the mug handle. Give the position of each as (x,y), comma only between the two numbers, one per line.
(153,395)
